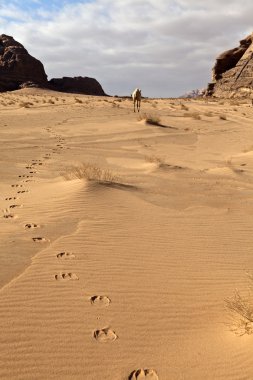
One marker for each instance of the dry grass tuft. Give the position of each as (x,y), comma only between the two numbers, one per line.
(155,159)
(241,313)
(208,114)
(90,172)
(194,115)
(25,104)
(150,119)
(184,107)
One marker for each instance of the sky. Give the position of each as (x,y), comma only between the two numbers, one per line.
(164,47)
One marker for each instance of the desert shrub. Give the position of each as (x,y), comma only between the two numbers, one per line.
(194,115)
(25,104)
(90,172)
(155,159)
(149,119)
(184,107)
(208,114)
(241,314)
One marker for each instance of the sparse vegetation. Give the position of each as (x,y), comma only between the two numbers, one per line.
(25,104)
(208,114)
(184,107)
(90,172)
(150,119)
(155,159)
(241,313)
(194,115)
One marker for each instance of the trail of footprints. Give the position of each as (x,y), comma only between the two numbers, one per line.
(26,178)
(105,334)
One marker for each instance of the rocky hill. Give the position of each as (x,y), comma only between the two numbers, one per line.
(81,85)
(17,66)
(233,72)
(18,69)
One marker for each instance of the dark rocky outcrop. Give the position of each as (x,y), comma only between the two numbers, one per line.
(17,66)
(18,69)
(233,72)
(81,85)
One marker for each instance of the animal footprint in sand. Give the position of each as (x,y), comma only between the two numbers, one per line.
(11,198)
(141,374)
(16,185)
(31,225)
(14,206)
(40,240)
(9,216)
(105,335)
(66,276)
(23,191)
(100,300)
(65,255)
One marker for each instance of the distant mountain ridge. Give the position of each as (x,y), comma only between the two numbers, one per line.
(18,69)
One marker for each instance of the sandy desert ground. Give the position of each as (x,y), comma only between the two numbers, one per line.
(122,242)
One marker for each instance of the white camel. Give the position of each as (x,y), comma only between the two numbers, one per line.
(136,95)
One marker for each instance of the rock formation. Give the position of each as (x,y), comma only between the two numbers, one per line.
(17,66)
(233,72)
(199,92)
(81,85)
(18,69)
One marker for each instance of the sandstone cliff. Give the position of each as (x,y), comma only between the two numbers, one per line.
(17,66)
(81,85)
(233,72)
(18,69)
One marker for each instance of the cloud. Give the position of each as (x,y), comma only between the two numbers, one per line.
(167,47)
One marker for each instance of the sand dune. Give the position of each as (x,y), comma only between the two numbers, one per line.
(121,240)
